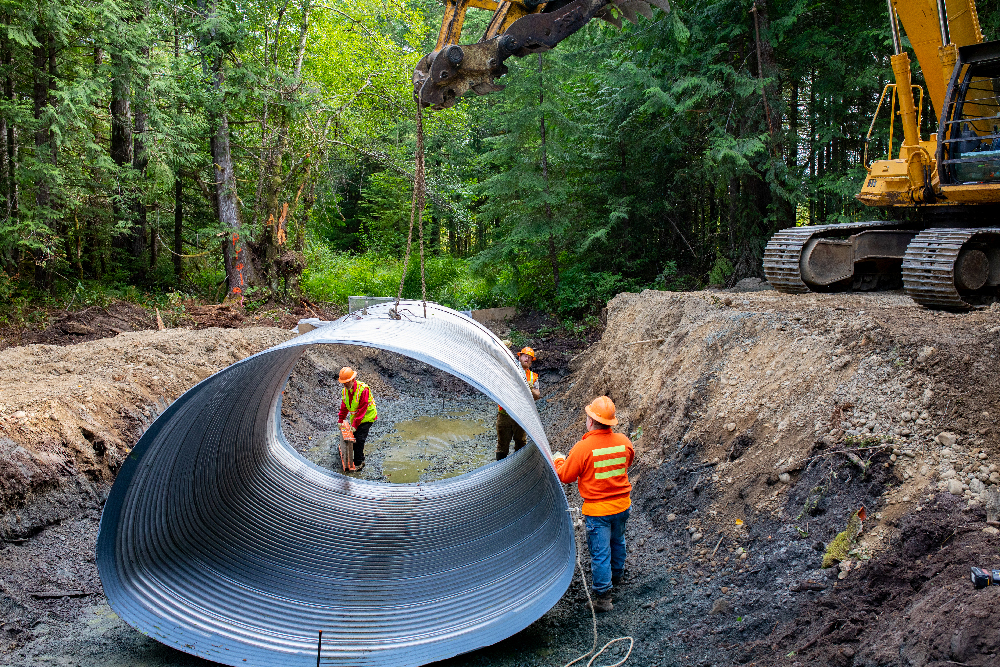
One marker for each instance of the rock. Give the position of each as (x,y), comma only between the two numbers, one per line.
(948,474)
(927,397)
(20,414)
(946,438)
(721,606)
(751,285)
(995,477)
(731,426)
(807,585)
(906,416)
(696,537)
(992,530)
(840,362)
(977,486)
(77,328)
(785,478)
(671,517)
(954,487)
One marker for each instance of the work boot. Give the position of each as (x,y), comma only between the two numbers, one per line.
(617,579)
(602,603)
(358,467)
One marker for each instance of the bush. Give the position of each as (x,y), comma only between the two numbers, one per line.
(720,271)
(7,286)
(582,292)
(333,276)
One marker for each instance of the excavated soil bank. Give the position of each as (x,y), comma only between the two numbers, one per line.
(761,422)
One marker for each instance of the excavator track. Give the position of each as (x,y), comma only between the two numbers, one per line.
(929,266)
(784,251)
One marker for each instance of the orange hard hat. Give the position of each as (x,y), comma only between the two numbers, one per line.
(528,351)
(346,375)
(602,410)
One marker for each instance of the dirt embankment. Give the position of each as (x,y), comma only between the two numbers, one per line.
(69,414)
(762,421)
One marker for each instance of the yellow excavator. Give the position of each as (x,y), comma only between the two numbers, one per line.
(516,29)
(945,189)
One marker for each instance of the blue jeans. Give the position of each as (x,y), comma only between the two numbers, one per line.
(606,541)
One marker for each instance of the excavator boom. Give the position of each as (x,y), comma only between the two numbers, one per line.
(516,29)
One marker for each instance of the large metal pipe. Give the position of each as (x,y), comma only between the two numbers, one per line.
(220,540)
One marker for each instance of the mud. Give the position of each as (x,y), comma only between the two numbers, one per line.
(761,422)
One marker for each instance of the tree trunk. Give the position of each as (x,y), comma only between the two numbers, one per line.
(40,95)
(178,226)
(178,185)
(140,158)
(10,185)
(791,158)
(235,252)
(553,255)
(6,158)
(121,143)
(766,68)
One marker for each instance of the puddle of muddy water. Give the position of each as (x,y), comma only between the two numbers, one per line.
(416,443)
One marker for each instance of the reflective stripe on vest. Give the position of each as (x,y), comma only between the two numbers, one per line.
(352,403)
(606,463)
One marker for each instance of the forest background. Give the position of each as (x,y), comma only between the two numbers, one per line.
(263,150)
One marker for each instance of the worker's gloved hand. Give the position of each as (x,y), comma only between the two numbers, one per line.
(558,455)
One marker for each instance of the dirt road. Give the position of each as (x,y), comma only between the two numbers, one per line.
(761,423)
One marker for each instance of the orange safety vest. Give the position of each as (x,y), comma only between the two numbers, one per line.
(530,376)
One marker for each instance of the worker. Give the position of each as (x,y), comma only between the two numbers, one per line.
(356,398)
(599,464)
(507,428)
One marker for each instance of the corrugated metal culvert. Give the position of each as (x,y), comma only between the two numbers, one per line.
(220,540)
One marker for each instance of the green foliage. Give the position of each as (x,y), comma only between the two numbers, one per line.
(333,276)
(670,154)
(583,292)
(841,545)
(720,271)
(7,286)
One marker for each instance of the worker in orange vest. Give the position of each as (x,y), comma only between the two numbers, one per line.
(356,399)
(507,428)
(599,465)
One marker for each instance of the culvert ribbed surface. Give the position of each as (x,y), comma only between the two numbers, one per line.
(220,540)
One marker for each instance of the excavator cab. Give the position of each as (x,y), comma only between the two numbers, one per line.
(969,135)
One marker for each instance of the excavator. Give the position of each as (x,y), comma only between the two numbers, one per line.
(944,189)
(517,28)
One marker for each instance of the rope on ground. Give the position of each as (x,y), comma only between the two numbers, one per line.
(416,213)
(593,617)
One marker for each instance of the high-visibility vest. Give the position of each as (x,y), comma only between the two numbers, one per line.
(352,402)
(530,376)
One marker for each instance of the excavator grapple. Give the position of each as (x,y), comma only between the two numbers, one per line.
(516,29)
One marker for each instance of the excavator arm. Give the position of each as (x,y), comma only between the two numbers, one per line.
(516,29)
